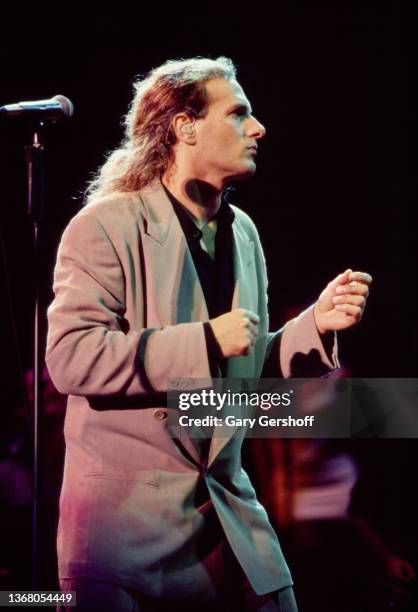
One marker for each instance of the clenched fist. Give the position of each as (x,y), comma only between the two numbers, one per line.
(342,302)
(236,332)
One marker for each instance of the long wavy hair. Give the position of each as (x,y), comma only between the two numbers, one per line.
(147,148)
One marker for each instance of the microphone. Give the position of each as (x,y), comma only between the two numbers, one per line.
(58,107)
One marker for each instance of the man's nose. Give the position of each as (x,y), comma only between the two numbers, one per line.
(257,129)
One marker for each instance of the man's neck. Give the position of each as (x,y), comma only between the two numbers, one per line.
(201,199)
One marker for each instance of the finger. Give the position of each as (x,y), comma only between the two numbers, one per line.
(350,309)
(251,316)
(349,298)
(361,277)
(252,334)
(341,278)
(253,329)
(353,288)
(250,326)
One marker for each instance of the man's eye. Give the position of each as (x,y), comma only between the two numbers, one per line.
(240,112)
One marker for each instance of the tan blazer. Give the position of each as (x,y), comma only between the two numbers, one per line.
(127,509)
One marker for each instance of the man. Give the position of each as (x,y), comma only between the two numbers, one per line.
(159,278)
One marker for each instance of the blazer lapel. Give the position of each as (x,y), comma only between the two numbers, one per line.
(244,296)
(174,293)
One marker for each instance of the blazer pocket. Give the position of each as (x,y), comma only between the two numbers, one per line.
(146,477)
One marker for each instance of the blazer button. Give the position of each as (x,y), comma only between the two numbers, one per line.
(160,415)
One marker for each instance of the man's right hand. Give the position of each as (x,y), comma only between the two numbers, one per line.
(236,332)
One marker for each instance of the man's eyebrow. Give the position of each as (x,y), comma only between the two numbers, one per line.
(240,106)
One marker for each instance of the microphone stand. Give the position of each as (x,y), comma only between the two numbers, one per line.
(35,167)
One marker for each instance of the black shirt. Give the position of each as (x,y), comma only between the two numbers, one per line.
(216,275)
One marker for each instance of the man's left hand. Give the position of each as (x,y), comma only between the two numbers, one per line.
(341,304)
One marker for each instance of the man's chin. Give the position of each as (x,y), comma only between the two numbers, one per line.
(245,173)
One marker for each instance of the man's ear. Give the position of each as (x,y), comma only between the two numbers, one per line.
(183,127)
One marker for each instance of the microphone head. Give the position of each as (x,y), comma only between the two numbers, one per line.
(66,105)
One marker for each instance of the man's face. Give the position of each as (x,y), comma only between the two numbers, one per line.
(226,139)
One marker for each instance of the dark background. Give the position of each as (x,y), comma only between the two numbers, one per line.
(332,83)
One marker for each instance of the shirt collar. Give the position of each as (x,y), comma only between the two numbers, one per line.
(224,216)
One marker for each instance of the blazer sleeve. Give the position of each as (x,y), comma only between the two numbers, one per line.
(89,350)
(298,350)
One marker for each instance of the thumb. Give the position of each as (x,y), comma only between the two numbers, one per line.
(341,279)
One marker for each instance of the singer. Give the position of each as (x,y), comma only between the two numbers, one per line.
(157,278)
